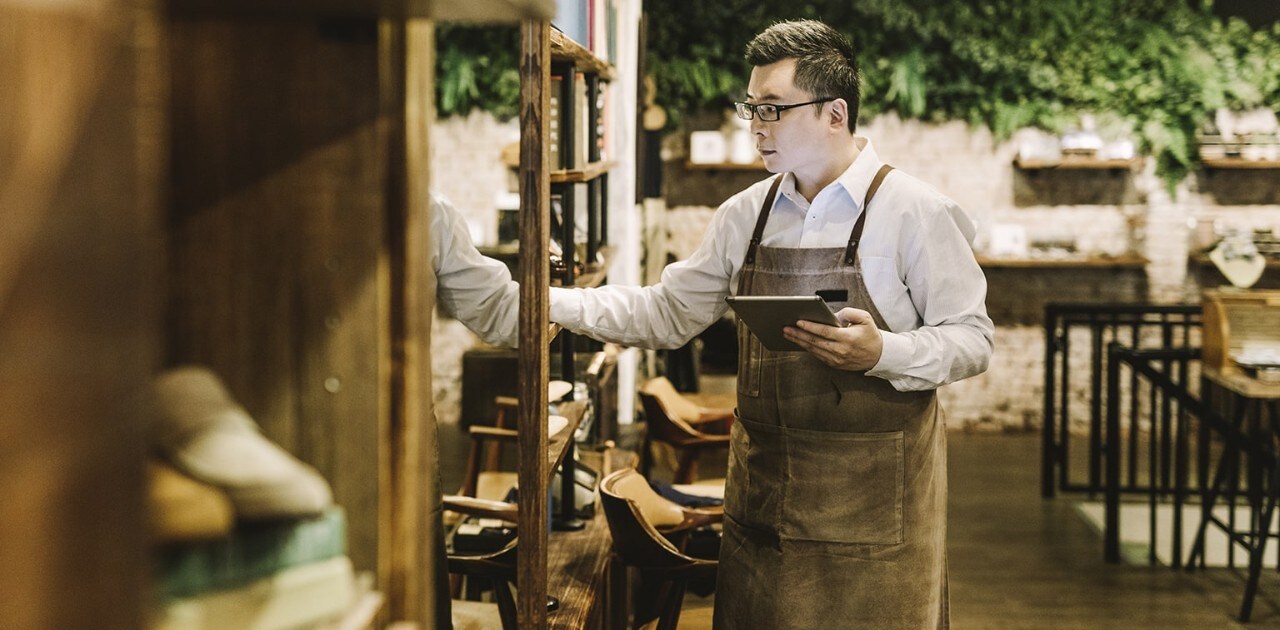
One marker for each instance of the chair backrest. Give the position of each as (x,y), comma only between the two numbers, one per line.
(664,425)
(635,538)
(675,402)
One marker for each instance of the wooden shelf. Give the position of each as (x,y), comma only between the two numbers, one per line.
(586,174)
(1240,164)
(573,411)
(470,11)
(1083,164)
(723,166)
(1129,261)
(1203,261)
(565,49)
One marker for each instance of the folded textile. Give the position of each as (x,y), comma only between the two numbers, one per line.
(210,437)
(180,508)
(251,552)
(298,597)
(670,493)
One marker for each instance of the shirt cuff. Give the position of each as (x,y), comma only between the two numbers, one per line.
(566,306)
(895,355)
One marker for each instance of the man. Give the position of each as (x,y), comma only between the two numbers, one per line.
(835,500)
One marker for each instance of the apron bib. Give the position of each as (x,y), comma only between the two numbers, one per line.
(835,501)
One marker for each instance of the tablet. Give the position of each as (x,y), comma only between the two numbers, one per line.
(766,315)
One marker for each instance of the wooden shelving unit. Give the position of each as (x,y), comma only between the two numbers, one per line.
(239,184)
(566,565)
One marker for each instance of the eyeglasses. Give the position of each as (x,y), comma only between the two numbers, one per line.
(768,112)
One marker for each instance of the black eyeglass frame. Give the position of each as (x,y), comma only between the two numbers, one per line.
(748,111)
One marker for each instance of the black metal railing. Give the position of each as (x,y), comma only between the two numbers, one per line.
(1150,410)
(1075,370)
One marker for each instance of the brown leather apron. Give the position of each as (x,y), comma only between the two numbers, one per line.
(835,501)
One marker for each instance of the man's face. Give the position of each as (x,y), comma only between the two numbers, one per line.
(797,139)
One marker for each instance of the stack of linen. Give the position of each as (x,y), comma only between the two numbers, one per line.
(247,536)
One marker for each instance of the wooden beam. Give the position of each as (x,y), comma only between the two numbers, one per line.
(535,278)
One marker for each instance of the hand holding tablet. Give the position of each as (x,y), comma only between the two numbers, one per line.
(767,315)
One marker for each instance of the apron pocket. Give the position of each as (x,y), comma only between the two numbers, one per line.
(845,487)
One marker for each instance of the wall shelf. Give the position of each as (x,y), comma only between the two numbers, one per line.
(1203,261)
(1077,164)
(1127,261)
(1240,164)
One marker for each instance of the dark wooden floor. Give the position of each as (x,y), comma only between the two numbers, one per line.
(1019,561)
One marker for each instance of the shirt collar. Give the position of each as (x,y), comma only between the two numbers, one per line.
(856,179)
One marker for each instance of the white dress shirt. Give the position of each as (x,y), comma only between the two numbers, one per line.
(470,287)
(916,257)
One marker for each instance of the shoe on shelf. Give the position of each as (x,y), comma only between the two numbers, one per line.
(207,435)
(181,509)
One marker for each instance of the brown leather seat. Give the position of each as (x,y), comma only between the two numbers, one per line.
(667,426)
(635,514)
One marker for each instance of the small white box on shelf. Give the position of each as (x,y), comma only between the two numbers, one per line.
(707,147)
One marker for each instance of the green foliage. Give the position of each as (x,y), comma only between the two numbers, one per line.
(477,68)
(1160,66)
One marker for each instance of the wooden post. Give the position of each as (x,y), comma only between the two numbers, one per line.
(535,278)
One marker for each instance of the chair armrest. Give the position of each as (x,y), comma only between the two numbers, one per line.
(495,433)
(483,508)
(693,519)
(706,415)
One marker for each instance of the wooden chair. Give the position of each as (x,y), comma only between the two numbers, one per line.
(635,513)
(498,568)
(668,427)
(700,410)
(484,477)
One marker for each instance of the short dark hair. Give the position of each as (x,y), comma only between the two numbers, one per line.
(825,63)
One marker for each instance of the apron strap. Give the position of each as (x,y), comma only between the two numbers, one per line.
(761,220)
(851,251)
